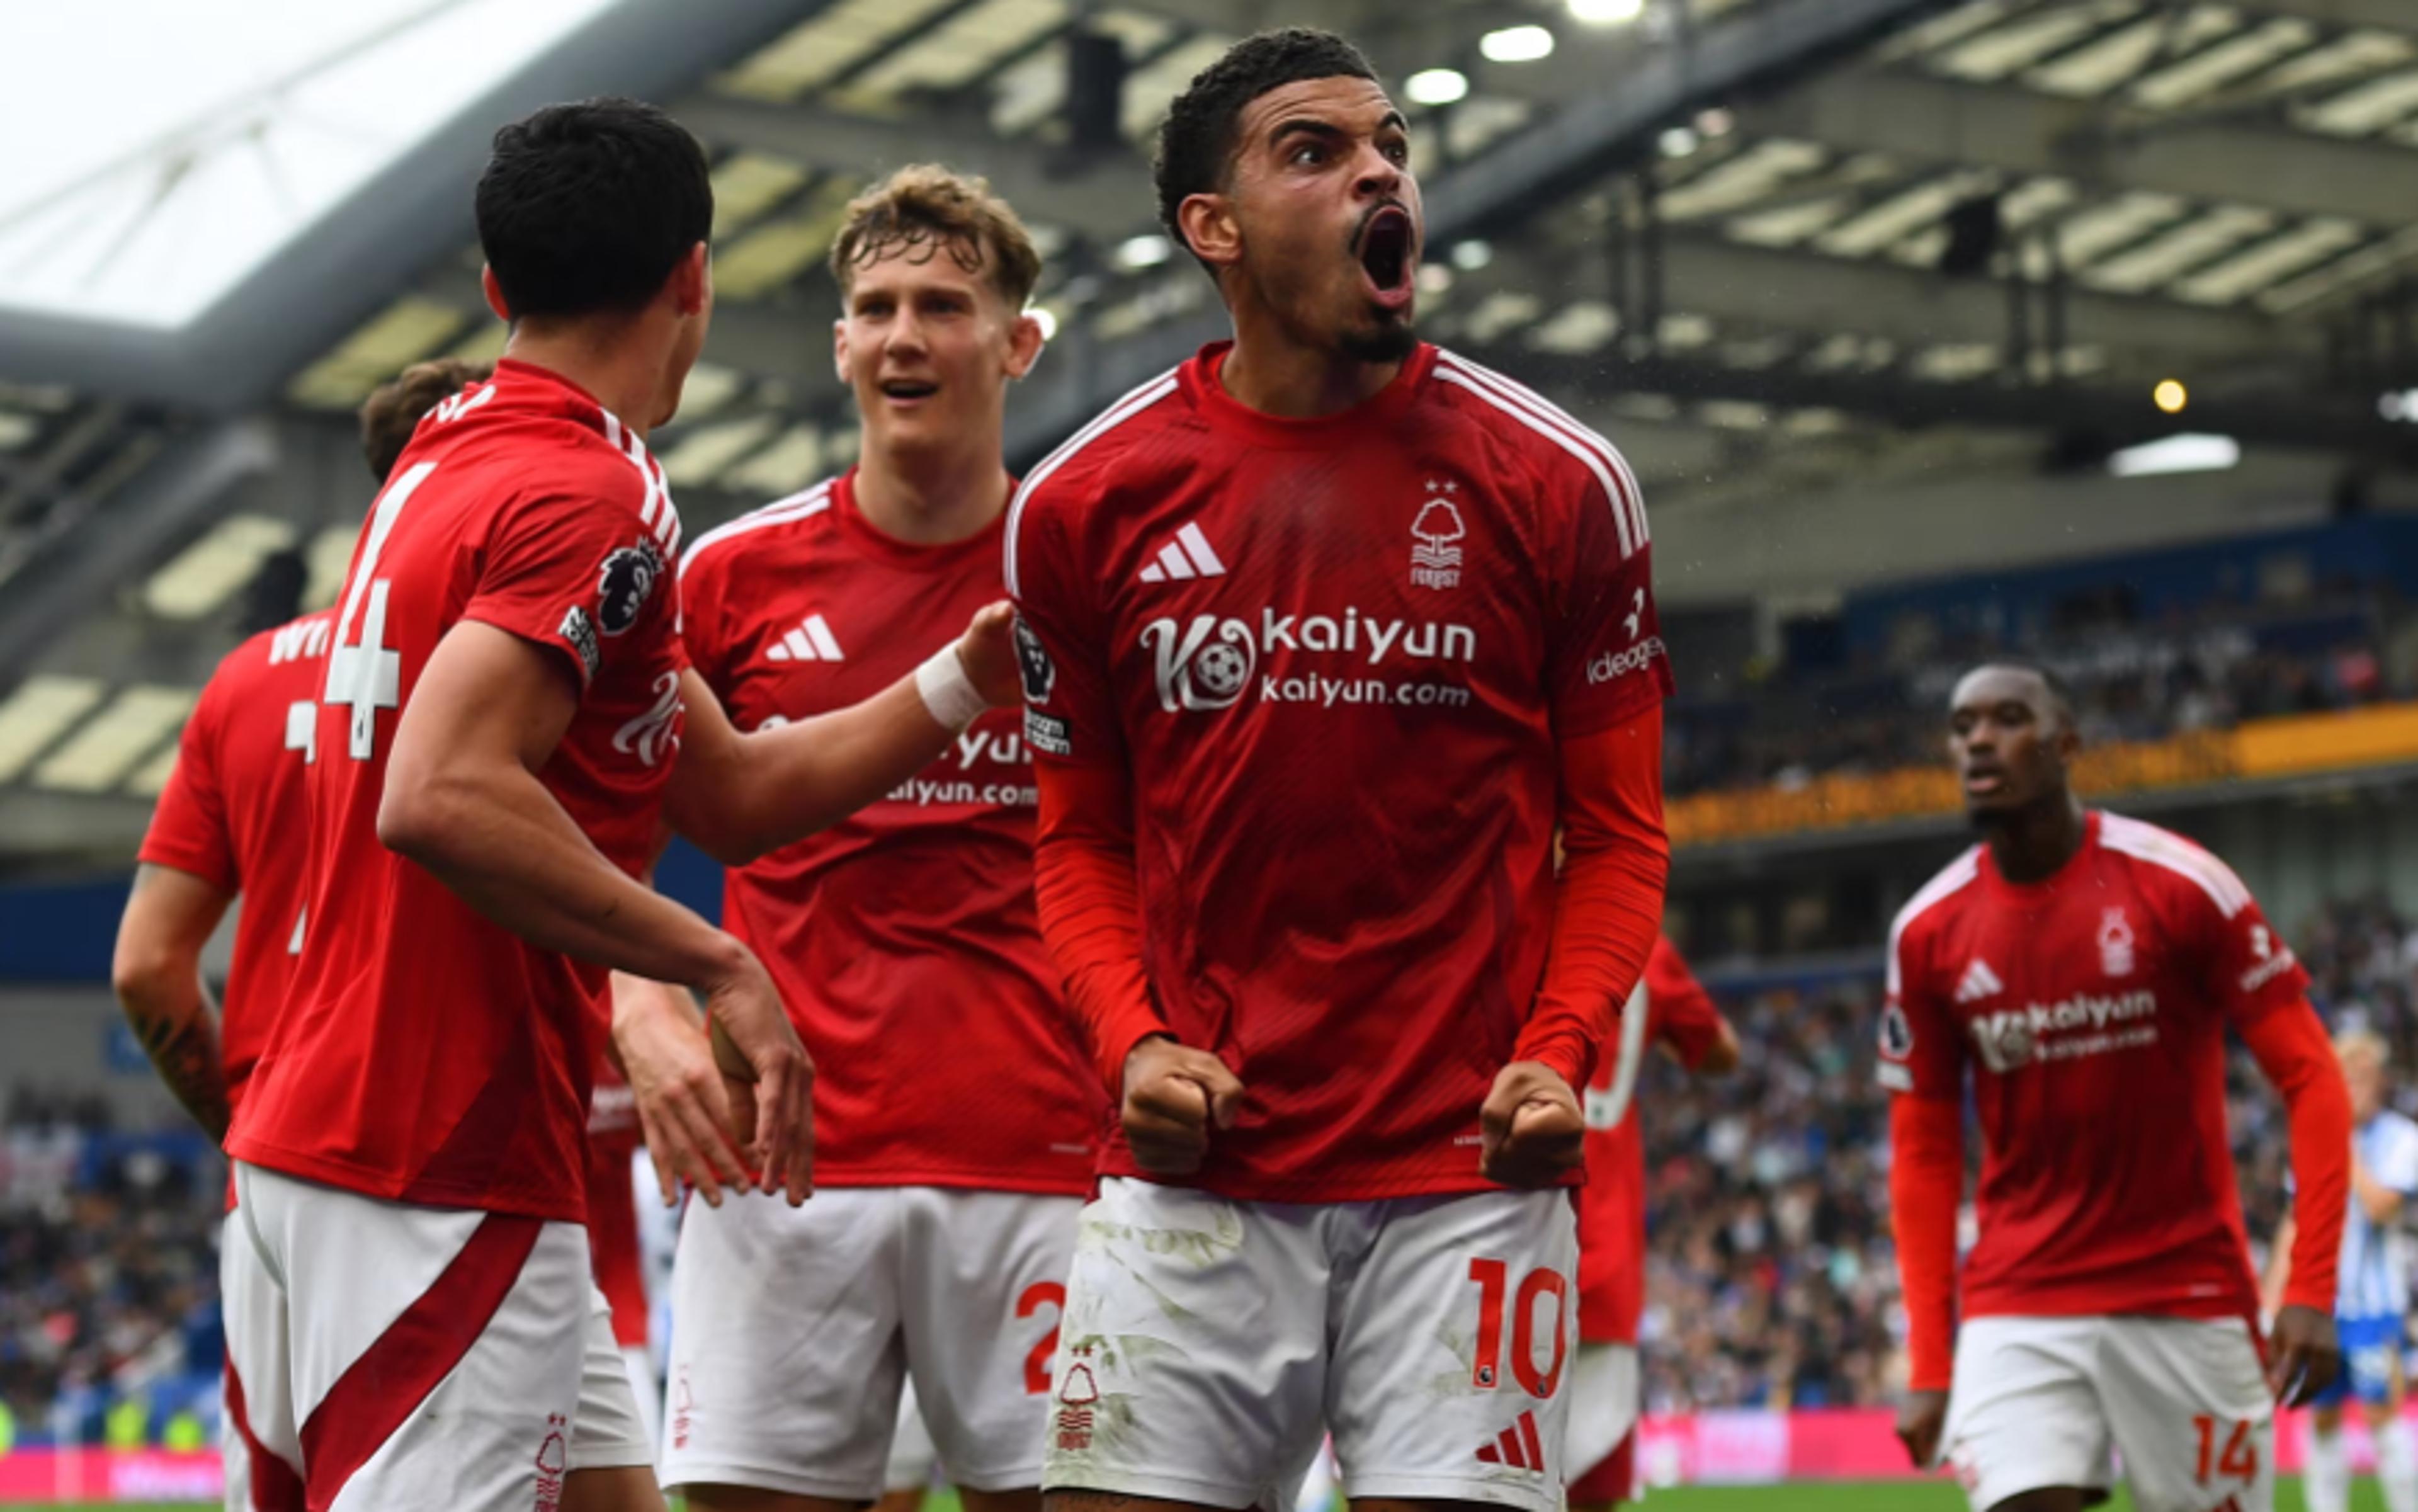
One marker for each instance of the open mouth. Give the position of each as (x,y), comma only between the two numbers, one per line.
(1984,782)
(909,389)
(1385,251)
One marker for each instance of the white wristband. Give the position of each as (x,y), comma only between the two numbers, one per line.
(948,692)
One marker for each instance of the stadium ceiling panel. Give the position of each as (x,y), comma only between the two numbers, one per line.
(245,192)
(1722,228)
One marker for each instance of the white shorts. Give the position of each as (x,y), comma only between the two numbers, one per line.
(911,1454)
(1209,1343)
(794,1329)
(1604,1403)
(2045,1401)
(385,1354)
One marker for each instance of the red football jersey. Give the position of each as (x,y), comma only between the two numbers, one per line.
(1334,658)
(902,938)
(613,1137)
(2090,1010)
(232,813)
(1612,1211)
(427,1054)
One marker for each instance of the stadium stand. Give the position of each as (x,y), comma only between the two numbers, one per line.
(2155,645)
(109,1316)
(1771,1282)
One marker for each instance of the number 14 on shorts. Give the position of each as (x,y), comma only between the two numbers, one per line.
(2237,1456)
(1492,1279)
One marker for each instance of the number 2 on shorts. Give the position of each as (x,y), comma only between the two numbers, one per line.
(2240,1460)
(1494,1283)
(1038,1296)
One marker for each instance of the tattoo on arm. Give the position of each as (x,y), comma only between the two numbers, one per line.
(186,1056)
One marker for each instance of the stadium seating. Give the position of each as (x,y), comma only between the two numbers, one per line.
(1771,1282)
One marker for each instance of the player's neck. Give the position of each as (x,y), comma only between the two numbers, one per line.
(931,497)
(2031,843)
(616,373)
(1269,372)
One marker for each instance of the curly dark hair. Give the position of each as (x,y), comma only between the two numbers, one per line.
(1197,140)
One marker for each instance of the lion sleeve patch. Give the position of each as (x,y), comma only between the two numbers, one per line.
(624,582)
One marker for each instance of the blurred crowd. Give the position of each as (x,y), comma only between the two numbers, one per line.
(109,1312)
(2134,682)
(1770,1283)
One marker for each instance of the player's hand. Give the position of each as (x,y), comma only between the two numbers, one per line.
(771,1082)
(987,653)
(1920,1419)
(1175,1095)
(2306,1356)
(1530,1130)
(683,1108)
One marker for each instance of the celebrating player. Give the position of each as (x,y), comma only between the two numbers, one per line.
(1322,634)
(2371,1309)
(219,829)
(505,692)
(1604,1387)
(954,1120)
(223,825)
(2083,968)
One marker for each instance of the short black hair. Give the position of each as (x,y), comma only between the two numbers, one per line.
(2060,693)
(1196,141)
(587,208)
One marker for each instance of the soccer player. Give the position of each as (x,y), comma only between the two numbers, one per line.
(1604,1385)
(2078,970)
(953,1120)
(505,696)
(2372,1305)
(225,825)
(1325,633)
(220,828)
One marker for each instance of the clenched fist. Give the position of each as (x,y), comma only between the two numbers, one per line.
(1174,1096)
(1531,1131)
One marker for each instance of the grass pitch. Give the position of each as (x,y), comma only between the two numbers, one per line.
(1904,1496)
(1898,1496)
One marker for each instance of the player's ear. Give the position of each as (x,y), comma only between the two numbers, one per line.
(1207,222)
(495,292)
(1024,343)
(692,281)
(839,351)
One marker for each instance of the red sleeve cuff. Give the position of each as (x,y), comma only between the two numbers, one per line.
(210,864)
(1570,1054)
(1125,1028)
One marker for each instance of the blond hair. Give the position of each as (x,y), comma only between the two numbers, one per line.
(924,209)
(393,410)
(2361,1045)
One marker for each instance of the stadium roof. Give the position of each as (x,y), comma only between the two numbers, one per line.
(1772,246)
(225,135)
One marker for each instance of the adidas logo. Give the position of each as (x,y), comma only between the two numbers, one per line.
(1979,982)
(1517,1447)
(808,641)
(1188,555)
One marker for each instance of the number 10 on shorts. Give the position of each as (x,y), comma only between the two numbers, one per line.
(1494,1277)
